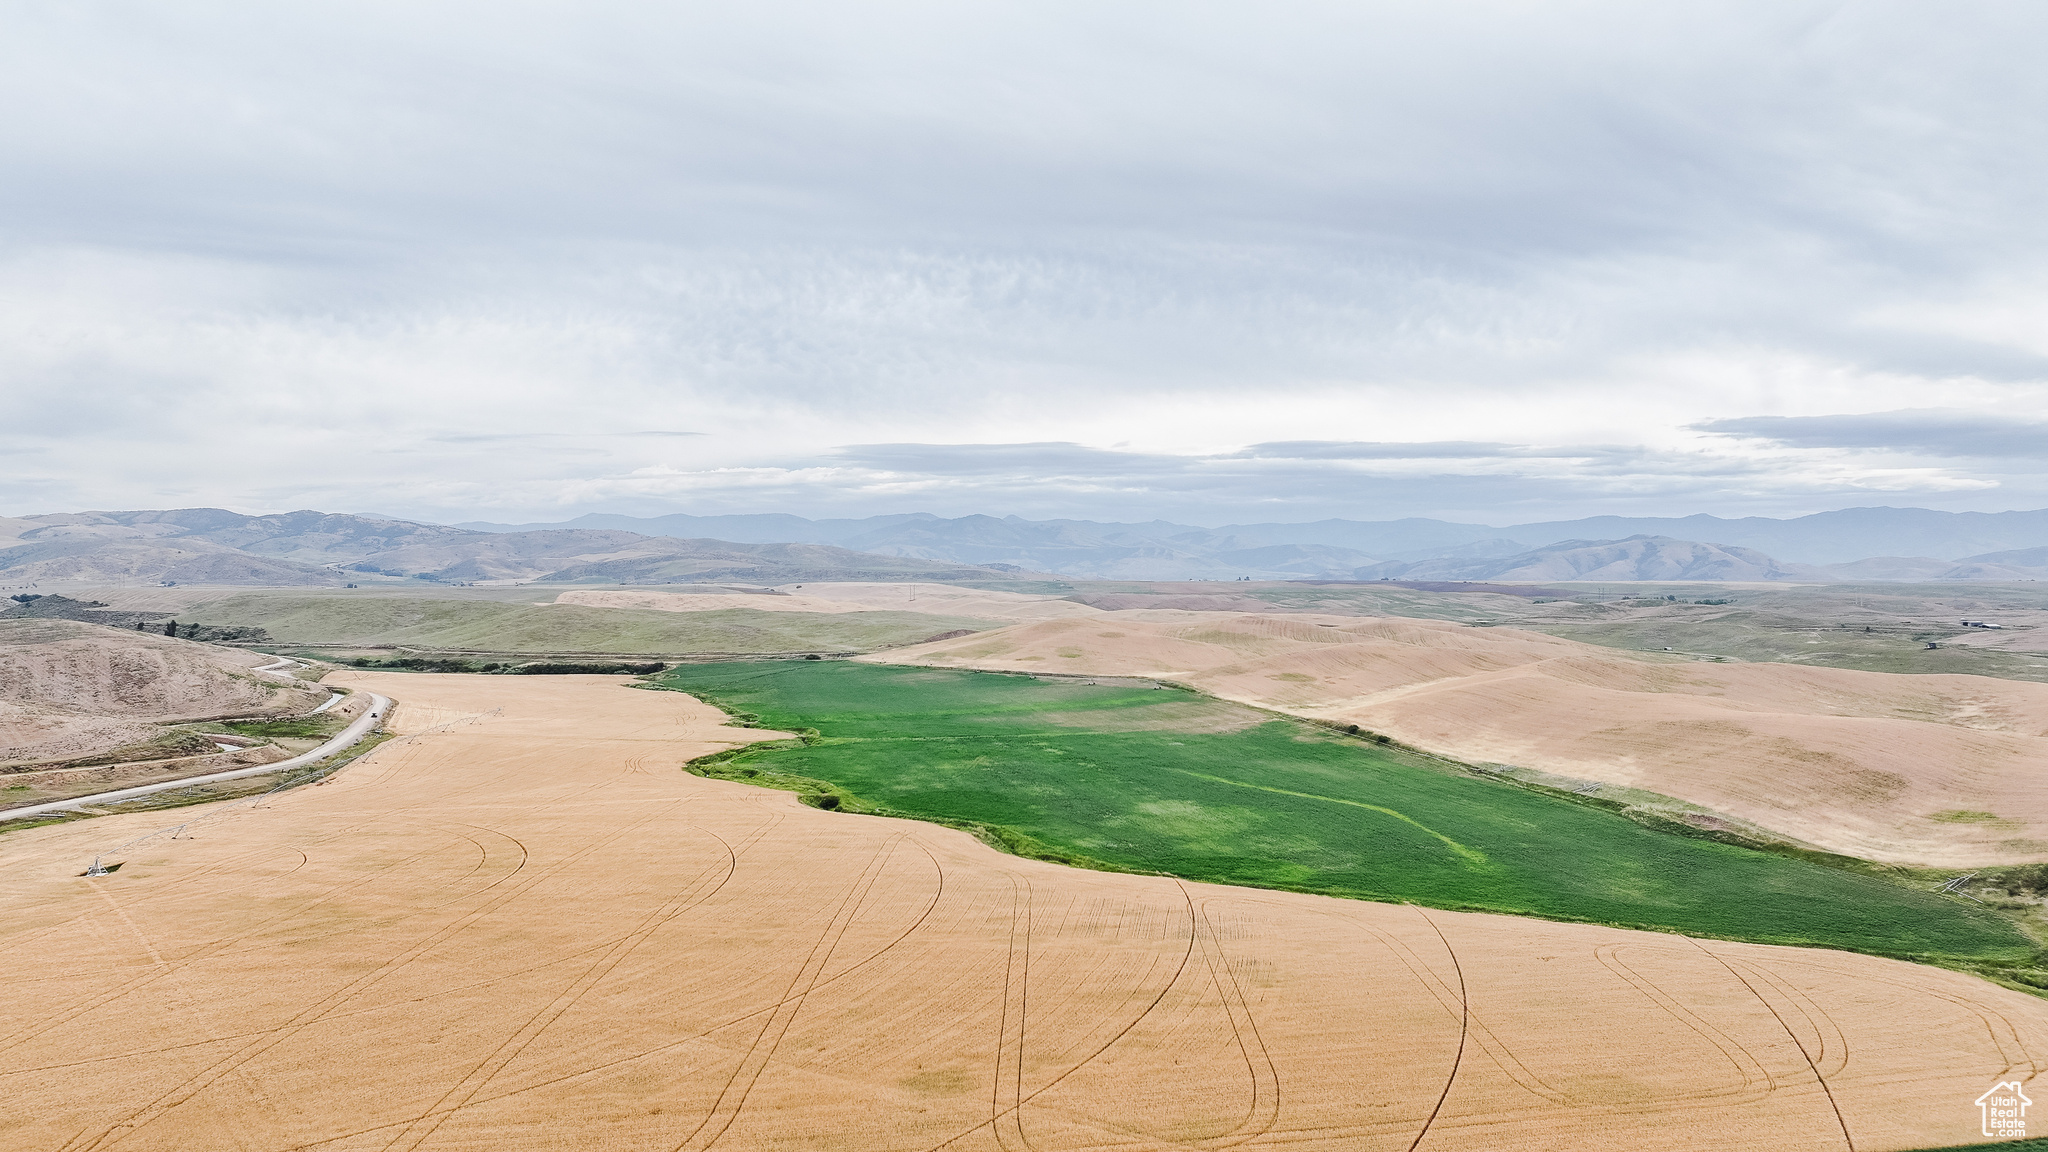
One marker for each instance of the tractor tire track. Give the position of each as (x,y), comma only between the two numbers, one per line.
(1264,1111)
(1990,1017)
(1848,1141)
(212,950)
(692,895)
(597,1069)
(1179,970)
(315,1012)
(1746,1065)
(740,1084)
(1464,1031)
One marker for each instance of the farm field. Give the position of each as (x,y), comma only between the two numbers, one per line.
(1822,625)
(337,620)
(1163,780)
(525,928)
(1938,771)
(845,596)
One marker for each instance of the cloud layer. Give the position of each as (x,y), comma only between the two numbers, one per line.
(1494,261)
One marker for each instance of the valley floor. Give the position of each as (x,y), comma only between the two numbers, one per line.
(525,928)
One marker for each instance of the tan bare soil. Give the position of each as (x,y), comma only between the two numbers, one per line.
(1940,770)
(526,929)
(22,789)
(935,599)
(69,689)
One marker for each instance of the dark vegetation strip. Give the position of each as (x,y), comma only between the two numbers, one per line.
(2030,1144)
(1289,805)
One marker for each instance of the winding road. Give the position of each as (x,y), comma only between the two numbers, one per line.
(359,728)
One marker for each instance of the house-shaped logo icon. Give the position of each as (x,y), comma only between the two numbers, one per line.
(2005,1111)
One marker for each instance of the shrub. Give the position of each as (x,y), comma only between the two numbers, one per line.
(2026,878)
(552,668)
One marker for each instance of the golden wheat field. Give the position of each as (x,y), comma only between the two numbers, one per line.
(524,928)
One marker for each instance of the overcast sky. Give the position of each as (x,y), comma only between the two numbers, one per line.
(1496,262)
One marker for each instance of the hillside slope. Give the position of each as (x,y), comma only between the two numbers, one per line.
(306,536)
(72,689)
(316,549)
(178,560)
(1926,769)
(1636,558)
(367,620)
(1082,547)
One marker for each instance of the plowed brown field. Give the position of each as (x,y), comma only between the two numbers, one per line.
(1937,770)
(527,930)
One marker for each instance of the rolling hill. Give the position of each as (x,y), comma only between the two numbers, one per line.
(1636,558)
(74,689)
(316,549)
(1928,769)
(1088,548)
(312,549)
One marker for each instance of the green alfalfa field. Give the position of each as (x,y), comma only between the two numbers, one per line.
(1151,779)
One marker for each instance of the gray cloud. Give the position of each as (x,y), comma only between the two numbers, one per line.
(1360,450)
(496,437)
(1938,432)
(365,244)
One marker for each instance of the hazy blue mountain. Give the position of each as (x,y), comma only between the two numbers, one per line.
(614,556)
(305,536)
(1165,550)
(1824,537)
(1636,558)
(214,545)
(2017,558)
(1387,539)
(765,528)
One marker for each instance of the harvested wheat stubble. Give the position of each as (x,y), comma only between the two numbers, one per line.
(1861,763)
(531,931)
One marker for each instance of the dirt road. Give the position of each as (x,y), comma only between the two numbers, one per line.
(357,730)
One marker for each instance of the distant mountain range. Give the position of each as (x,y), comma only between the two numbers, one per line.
(212,546)
(1911,543)
(312,549)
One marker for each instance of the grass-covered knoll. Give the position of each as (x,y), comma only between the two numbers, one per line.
(1164,780)
(342,620)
